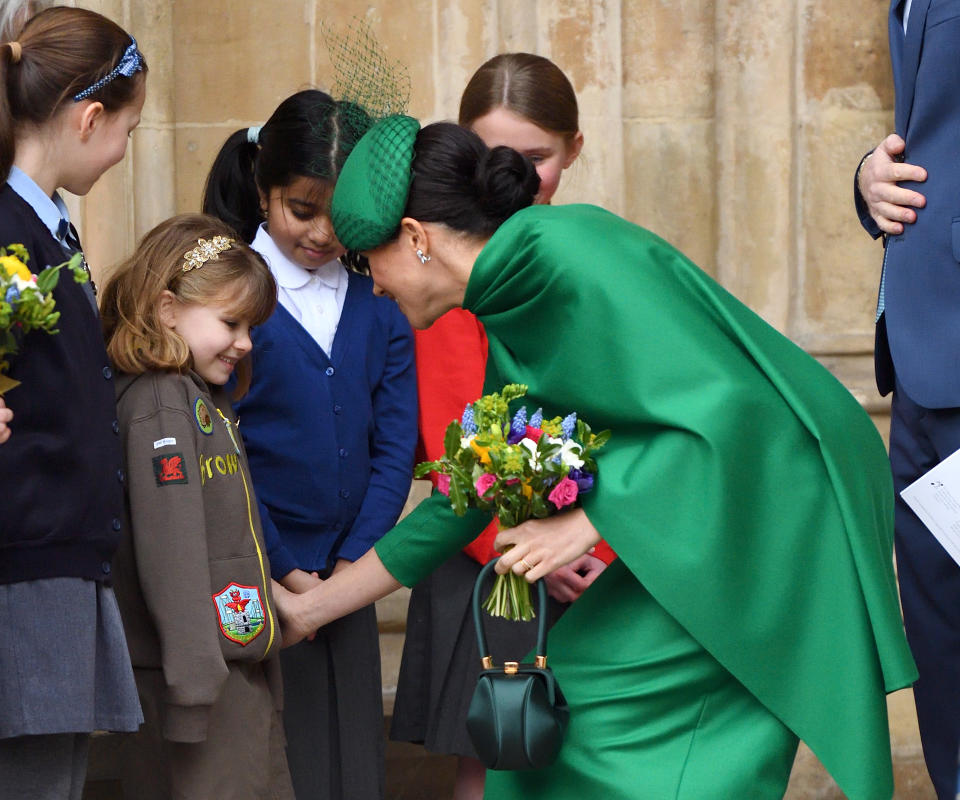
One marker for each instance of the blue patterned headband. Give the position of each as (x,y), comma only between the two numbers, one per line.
(131,62)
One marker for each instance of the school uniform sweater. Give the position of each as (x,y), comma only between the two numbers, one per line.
(60,471)
(331,439)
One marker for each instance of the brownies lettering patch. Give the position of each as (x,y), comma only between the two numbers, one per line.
(240,612)
(170,469)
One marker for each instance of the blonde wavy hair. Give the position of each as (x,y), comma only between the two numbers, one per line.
(137,341)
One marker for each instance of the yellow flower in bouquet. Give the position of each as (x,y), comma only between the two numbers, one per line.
(15,267)
(26,302)
(516,467)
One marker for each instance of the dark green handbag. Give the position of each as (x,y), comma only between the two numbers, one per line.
(518,714)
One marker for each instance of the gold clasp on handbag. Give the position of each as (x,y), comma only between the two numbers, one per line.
(541,662)
(510,667)
(487,662)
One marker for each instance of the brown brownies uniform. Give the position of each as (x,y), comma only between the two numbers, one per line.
(193,583)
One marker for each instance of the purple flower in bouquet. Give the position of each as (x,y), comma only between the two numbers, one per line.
(569,425)
(516,438)
(536,421)
(518,427)
(467,421)
(584,480)
(443,484)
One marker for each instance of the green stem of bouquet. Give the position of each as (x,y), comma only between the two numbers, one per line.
(510,598)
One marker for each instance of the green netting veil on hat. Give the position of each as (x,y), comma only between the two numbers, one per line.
(371,192)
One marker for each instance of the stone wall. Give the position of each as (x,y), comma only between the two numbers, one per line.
(731,128)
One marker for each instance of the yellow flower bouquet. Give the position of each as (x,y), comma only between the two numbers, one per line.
(26,302)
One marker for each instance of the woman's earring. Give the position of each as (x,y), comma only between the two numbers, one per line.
(424,258)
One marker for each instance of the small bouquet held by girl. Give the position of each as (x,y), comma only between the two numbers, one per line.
(26,301)
(519,468)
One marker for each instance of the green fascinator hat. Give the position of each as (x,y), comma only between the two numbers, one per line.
(371,192)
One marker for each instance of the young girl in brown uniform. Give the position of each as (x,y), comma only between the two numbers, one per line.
(192,576)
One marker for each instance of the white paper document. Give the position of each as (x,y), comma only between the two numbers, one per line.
(935,498)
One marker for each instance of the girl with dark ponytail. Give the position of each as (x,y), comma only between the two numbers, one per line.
(71,92)
(329,423)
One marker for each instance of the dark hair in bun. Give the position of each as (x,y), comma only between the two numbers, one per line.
(459,181)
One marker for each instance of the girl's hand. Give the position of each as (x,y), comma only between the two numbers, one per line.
(5,416)
(299,581)
(540,546)
(351,588)
(290,607)
(567,583)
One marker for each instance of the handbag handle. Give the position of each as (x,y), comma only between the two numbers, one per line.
(541,654)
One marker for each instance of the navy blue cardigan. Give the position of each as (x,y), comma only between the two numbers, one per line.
(61,491)
(331,441)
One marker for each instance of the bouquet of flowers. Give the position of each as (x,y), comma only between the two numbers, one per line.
(26,301)
(518,468)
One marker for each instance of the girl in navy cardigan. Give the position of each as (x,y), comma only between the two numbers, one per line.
(329,423)
(71,90)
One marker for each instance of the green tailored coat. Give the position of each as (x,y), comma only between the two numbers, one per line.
(749,499)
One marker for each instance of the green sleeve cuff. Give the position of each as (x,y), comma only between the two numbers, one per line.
(427,537)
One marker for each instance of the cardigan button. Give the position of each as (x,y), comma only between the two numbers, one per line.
(115,524)
(342,453)
(120,475)
(329,370)
(337,408)
(107,373)
(345,493)
(105,567)
(116,427)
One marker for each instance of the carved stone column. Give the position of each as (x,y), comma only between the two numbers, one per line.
(755,108)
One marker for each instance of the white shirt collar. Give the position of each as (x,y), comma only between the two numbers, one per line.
(289,274)
(50,209)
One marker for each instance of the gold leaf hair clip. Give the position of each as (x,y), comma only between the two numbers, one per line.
(205,251)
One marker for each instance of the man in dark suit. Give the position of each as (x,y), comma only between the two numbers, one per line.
(917,354)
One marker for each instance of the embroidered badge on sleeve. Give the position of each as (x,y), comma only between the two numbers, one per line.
(202,413)
(240,612)
(170,469)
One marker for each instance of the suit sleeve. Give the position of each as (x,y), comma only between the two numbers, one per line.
(170,546)
(393,444)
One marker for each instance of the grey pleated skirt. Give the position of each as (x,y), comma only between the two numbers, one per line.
(64,665)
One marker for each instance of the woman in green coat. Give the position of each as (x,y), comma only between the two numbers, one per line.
(745,491)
